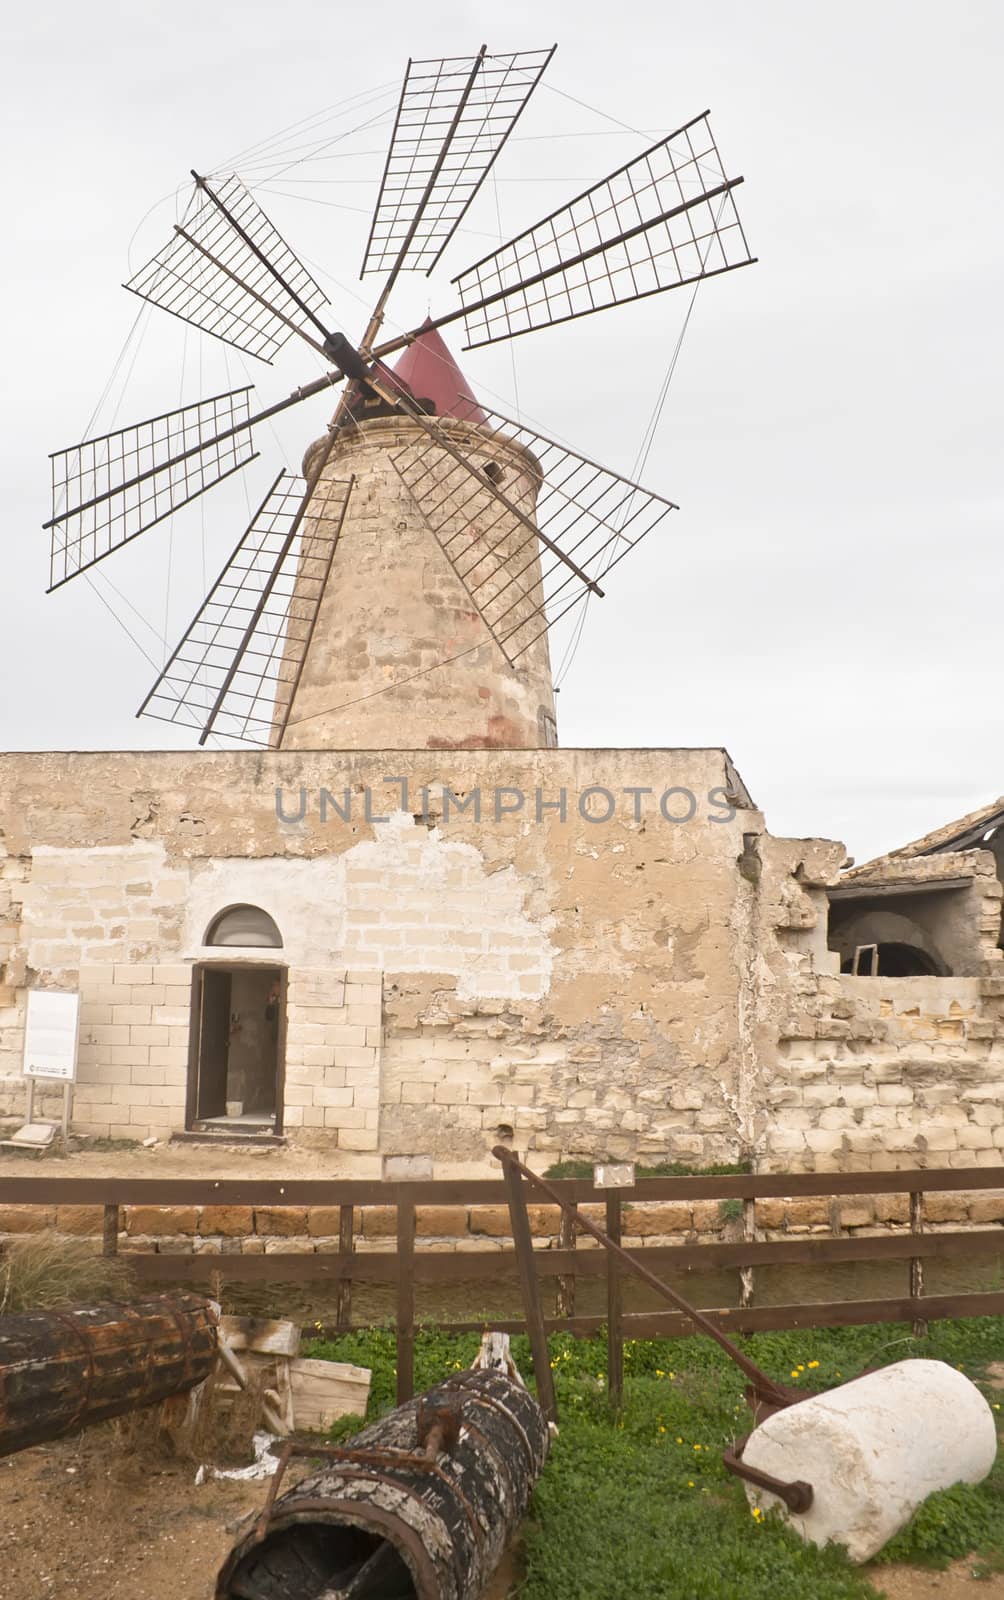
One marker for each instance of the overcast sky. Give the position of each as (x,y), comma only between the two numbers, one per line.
(826,603)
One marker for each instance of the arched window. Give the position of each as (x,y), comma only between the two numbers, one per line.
(247,926)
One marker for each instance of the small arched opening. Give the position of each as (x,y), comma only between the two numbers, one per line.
(247,926)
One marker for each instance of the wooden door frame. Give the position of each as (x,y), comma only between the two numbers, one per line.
(195,1034)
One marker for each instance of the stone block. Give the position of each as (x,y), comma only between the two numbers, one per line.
(405,1169)
(26,1219)
(707,1216)
(892,1208)
(82,1220)
(441,1221)
(986,1208)
(285,1220)
(655,1219)
(231,1221)
(161,1221)
(289,1247)
(945,1208)
(812,1211)
(324,1222)
(358,1139)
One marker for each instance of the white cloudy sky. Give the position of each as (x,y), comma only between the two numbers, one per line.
(826,601)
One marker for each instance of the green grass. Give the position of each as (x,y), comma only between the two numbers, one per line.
(639,1507)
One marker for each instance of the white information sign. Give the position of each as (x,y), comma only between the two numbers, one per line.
(50,1037)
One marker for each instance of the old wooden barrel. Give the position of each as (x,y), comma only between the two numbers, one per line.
(63,1370)
(405,1511)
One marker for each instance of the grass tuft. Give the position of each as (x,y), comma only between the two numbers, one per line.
(43,1272)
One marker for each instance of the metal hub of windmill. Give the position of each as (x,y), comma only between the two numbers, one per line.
(665,219)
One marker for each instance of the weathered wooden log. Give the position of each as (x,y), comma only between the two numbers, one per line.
(64,1370)
(419,1506)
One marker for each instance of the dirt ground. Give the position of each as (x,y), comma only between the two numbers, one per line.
(81,1519)
(167,1160)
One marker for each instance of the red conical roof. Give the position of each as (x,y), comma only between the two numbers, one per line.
(431,373)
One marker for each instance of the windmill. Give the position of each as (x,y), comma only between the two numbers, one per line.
(527,527)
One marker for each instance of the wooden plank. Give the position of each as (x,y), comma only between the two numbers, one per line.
(326,1390)
(261,1334)
(324,1192)
(433,1266)
(405,1301)
(346,1245)
(761,1319)
(861,888)
(615,1330)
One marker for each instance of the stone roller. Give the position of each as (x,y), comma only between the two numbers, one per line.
(849,1466)
(872,1451)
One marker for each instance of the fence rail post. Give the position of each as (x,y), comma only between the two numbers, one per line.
(615,1328)
(917,1262)
(346,1245)
(110,1231)
(405,1300)
(568,1235)
(746,1274)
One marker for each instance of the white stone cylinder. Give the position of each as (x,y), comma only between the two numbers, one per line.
(873,1450)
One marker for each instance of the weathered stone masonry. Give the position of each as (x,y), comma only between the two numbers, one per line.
(596,984)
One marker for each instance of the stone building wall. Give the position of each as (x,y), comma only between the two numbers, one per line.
(573,968)
(564,964)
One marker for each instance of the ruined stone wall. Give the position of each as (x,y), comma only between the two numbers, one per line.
(890,1072)
(864,1073)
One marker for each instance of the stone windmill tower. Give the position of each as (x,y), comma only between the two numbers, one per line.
(400,656)
(399,593)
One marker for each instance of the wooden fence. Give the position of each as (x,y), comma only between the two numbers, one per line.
(407,1267)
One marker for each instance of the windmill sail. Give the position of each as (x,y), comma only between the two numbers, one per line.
(453,118)
(236,669)
(522,577)
(107,490)
(230,272)
(667,218)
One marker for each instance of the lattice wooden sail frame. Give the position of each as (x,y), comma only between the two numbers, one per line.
(236,669)
(229,272)
(452,120)
(665,219)
(107,490)
(524,572)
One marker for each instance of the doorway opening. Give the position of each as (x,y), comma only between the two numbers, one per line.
(237,1049)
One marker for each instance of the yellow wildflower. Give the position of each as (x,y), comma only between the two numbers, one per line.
(813,1364)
